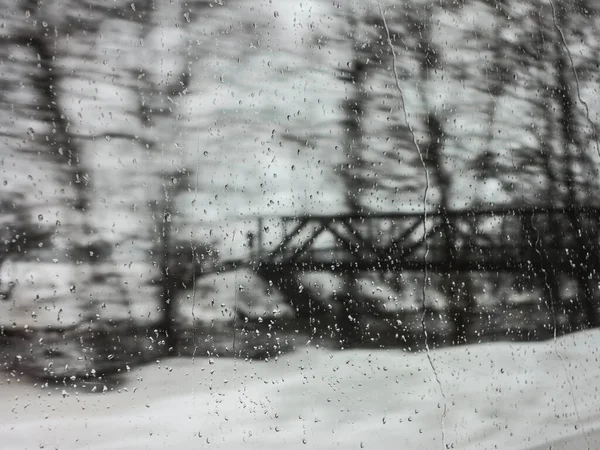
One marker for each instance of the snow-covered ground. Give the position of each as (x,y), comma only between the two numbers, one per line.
(501,396)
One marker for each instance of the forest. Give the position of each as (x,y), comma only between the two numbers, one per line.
(140,141)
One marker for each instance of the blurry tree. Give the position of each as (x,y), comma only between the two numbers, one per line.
(377,142)
(180,262)
(20,236)
(384,159)
(513,59)
(529,66)
(557,162)
(39,129)
(580,170)
(161,92)
(419,59)
(32,49)
(353,123)
(369,167)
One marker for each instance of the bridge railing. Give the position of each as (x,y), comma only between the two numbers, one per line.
(473,237)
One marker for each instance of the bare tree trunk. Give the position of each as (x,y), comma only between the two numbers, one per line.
(169,288)
(353,107)
(572,147)
(63,145)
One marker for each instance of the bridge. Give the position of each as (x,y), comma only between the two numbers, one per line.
(535,240)
(513,240)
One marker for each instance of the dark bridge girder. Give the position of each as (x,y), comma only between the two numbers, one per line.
(509,239)
(519,240)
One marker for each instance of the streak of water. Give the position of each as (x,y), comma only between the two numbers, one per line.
(425,194)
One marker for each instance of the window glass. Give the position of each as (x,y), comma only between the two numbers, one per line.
(271,224)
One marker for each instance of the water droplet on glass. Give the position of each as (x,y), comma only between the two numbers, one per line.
(40,217)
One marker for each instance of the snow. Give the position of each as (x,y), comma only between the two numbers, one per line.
(503,396)
(216,297)
(41,294)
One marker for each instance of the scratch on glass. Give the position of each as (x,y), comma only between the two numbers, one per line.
(570,56)
(425,194)
(595,135)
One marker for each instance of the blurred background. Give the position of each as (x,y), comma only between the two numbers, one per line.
(141,140)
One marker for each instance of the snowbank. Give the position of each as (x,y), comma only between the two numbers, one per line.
(217,297)
(504,396)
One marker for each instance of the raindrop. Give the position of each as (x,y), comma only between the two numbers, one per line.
(40,217)
(27,14)
(133,6)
